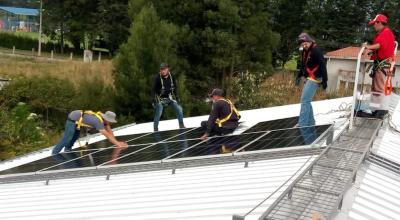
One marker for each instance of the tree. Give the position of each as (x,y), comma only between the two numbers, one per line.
(287,21)
(152,41)
(336,23)
(113,22)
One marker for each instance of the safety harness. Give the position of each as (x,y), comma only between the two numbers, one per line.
(219,122)
(311,71)
(382,65)
(166,101)
(79,123)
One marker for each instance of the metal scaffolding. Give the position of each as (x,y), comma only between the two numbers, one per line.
(320,188)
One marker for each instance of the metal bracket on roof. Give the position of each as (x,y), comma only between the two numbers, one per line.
(246,164)
(290,193)
(340,204)
(237,217)
(47,182)
(108,177)
(173,171)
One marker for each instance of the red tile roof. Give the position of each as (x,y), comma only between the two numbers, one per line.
(350,53)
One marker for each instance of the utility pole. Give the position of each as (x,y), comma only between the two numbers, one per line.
(40,28)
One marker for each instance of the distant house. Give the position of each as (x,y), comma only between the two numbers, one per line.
(19,19)
(341,67)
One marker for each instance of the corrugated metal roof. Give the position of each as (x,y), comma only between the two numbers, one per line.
(214,192)
(375,195)
(206,192)
(21,11)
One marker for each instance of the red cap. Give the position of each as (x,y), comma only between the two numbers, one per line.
(380,18)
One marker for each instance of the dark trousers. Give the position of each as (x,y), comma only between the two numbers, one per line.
(217,130)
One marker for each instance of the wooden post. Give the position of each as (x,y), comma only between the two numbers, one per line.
(52,54)
(71,56)
(99,56)
(13,50)
(33,51)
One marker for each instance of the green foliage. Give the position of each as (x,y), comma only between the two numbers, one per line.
(93,94)
(248,86)
(216,40)
(46,95)
(333,31)
(21,42)
(19,131)
(139,60)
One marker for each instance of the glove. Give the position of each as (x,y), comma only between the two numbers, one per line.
(324,85)
(297,81)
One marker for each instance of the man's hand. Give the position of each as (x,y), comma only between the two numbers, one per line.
(122,144)
(204,137)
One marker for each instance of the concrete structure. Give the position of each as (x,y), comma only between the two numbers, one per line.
(19,19)
(341,64)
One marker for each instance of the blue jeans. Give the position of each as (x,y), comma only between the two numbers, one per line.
(159,110)
(309,134)
(71,134)
(306,117)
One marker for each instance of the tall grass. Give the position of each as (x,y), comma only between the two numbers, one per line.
(280,89)
(73,71)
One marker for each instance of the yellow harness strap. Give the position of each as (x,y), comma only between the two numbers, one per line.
(219,122)
(80,123)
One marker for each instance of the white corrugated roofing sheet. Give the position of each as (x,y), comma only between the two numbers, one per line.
(206,192)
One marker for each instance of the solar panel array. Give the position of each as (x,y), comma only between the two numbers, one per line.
(180,144)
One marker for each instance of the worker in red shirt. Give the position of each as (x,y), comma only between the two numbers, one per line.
(382,53)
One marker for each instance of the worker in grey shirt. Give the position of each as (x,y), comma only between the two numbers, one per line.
(78,119)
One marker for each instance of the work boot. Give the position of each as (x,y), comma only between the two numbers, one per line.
(362,114)
(380,114)
(181,125)
(155,129)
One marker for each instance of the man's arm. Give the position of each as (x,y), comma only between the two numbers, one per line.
(110,136)
(373,46)
(322,66)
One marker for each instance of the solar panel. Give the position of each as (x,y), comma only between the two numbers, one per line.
(97,158)
(44,163)
(218,145)
(287,138)
(274,125)
(158,136)
(106,143)
(156,152)
(178,144)
(193,134)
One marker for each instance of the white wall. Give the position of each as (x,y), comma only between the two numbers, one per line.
(334,64)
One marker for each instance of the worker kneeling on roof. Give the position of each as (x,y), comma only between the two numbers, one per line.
(78,119)
(224,117)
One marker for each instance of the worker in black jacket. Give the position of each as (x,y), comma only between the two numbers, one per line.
(313,68)
(224,117)
(164,94)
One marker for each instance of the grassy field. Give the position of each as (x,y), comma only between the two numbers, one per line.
(74,71)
